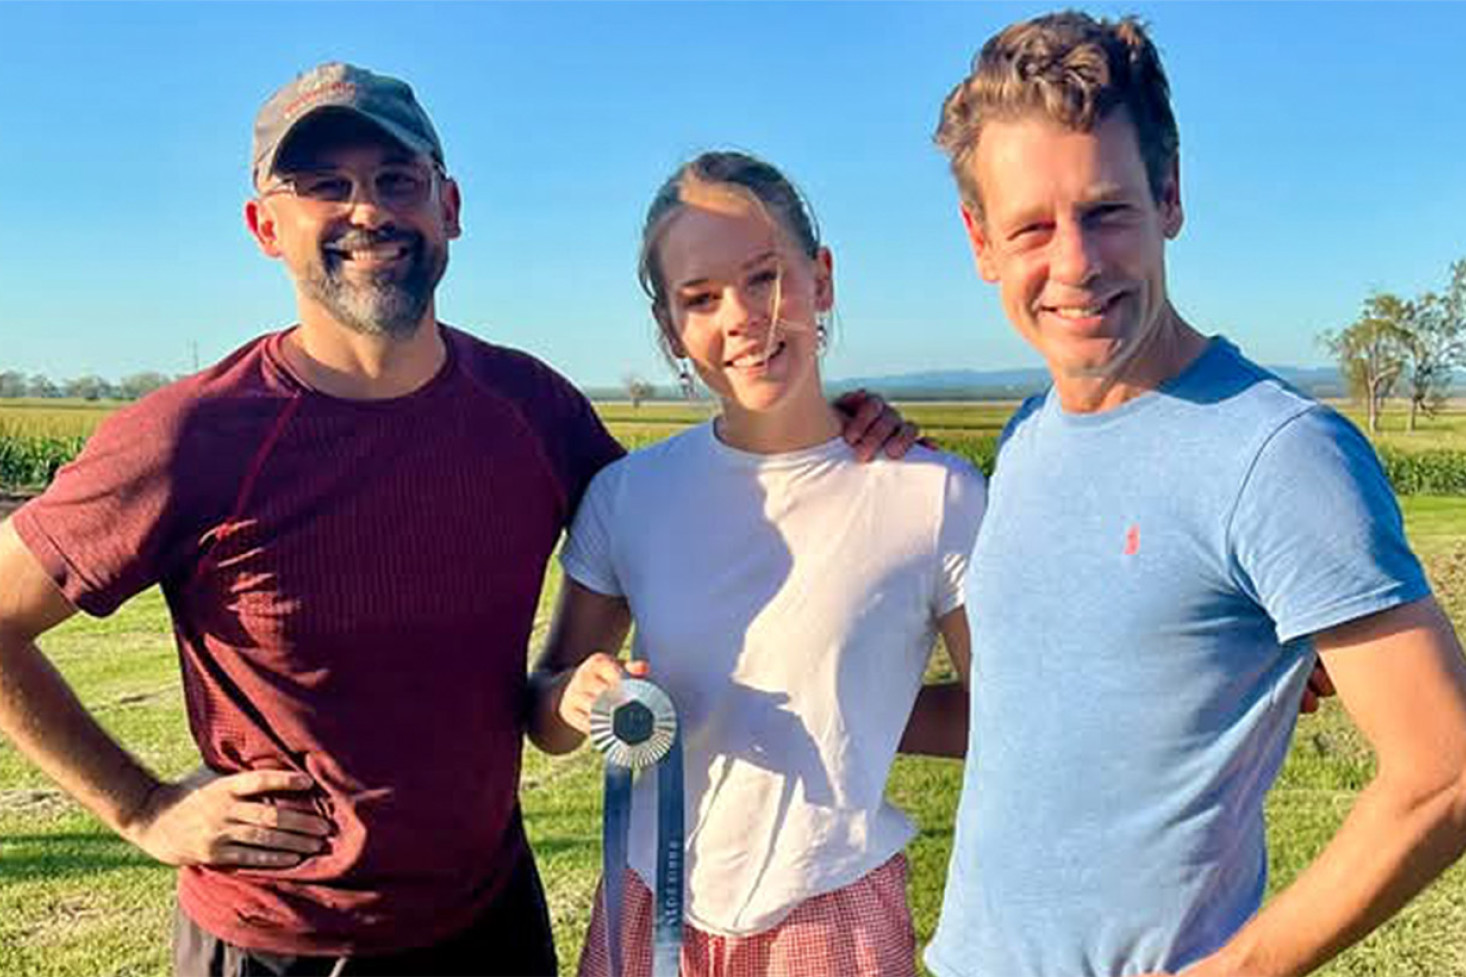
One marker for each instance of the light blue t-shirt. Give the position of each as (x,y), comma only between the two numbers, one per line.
(1141,595)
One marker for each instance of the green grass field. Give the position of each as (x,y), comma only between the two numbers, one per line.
(75,900)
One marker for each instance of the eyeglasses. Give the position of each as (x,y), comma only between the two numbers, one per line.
(404,187)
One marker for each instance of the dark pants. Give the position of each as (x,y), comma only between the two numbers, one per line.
(511,939)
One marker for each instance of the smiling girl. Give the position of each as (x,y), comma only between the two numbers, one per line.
(785,595)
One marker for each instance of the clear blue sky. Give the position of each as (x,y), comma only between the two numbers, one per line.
(1323,156)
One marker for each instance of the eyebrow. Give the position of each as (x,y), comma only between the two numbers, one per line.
(1098,196)
(1106,193)
(757,259)
(320,166)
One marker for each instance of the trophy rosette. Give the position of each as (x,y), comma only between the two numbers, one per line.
(635,726)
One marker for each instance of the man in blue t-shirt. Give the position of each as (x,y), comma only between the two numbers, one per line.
(1173,534)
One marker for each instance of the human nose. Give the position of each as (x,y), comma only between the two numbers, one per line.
(1074,258)
(364,207)
(743,311)
(359,199)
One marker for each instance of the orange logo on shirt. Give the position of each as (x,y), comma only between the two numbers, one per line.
(1132,540)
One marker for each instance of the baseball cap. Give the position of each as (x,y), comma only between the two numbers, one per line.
(382,100)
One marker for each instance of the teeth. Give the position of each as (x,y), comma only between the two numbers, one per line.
(374,254)
(1078,311)
(751,360)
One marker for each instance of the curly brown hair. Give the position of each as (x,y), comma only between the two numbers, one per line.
(1072,69)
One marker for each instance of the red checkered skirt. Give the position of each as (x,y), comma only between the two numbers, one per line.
(862,929)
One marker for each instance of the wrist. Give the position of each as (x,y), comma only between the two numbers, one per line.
(548,727)
(567,728)
(135,814)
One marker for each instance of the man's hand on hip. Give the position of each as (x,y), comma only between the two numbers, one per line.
(213,819)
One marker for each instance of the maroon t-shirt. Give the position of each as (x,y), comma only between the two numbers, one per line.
(353,585)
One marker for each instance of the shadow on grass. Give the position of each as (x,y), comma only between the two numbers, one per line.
(588,843)
(66,855)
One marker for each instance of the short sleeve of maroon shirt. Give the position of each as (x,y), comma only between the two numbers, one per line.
(353,586)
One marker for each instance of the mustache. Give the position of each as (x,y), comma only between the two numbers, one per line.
(358,238)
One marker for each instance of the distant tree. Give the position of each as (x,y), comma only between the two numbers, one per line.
(137,385)
(637,389)
(1435,346)
(40,385)
(12,384)
(1373,351)
(1455,297)
(1435,326)
(89,387)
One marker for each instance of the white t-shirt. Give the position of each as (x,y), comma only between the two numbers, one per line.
(788,605)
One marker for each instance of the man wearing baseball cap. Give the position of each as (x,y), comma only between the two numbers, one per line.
(350,520)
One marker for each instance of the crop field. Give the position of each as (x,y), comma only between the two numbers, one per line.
(37,436)
(75,901)
(65,418)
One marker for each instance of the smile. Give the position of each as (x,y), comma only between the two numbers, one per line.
(1077,312)
(754,359)
(376,254)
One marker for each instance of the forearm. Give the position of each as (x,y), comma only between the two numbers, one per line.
(1394,843)
(938,723)
(41,715)
(547,730)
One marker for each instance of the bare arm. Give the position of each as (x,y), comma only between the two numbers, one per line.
(938,723)
(1401,677)
(38,710)
(578,663)
(202,819)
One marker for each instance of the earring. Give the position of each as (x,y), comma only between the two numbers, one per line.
(684,377)
(821,333)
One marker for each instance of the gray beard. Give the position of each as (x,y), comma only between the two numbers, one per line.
(382,305)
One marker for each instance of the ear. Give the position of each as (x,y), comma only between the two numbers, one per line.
(452,204)
(824,280)
(987,265)
(1172,215)
(262,228)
